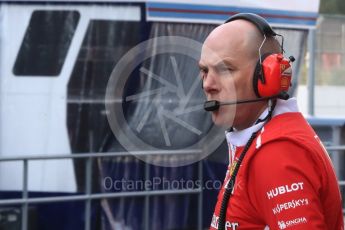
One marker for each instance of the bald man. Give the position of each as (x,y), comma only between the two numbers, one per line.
(286,180)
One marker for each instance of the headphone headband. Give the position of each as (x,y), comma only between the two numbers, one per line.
(272,74)
(257,20)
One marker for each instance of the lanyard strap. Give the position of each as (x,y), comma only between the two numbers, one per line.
(231,184)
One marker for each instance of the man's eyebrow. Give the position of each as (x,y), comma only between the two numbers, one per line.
(224,62)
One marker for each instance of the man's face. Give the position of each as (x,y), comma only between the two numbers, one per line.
(226,68)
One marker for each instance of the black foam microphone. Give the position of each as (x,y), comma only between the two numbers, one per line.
(214,104)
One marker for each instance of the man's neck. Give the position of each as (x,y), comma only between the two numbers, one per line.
(240,137)
(252,120)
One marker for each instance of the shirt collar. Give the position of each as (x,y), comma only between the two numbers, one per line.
(240,137)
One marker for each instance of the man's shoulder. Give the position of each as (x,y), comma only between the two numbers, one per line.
(288,127)
(285,136)
(288,139)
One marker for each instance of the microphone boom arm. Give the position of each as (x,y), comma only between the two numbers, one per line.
(214,104)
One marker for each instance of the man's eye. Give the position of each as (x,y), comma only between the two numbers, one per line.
(225,70)
(203,70)
(203,73)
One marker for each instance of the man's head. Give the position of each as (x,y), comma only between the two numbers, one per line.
(227,64)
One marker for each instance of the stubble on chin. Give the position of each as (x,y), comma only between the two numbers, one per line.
(218,120)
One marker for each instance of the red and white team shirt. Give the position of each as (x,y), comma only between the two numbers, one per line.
(286,180)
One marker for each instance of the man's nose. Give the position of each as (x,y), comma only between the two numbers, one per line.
(209,84)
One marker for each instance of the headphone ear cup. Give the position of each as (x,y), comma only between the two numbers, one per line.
(277,74)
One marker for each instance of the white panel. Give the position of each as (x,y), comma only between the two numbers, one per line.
(33,109)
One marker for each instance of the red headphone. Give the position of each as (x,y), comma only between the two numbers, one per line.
(273,72)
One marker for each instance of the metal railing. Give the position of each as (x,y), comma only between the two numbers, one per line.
(89,196)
